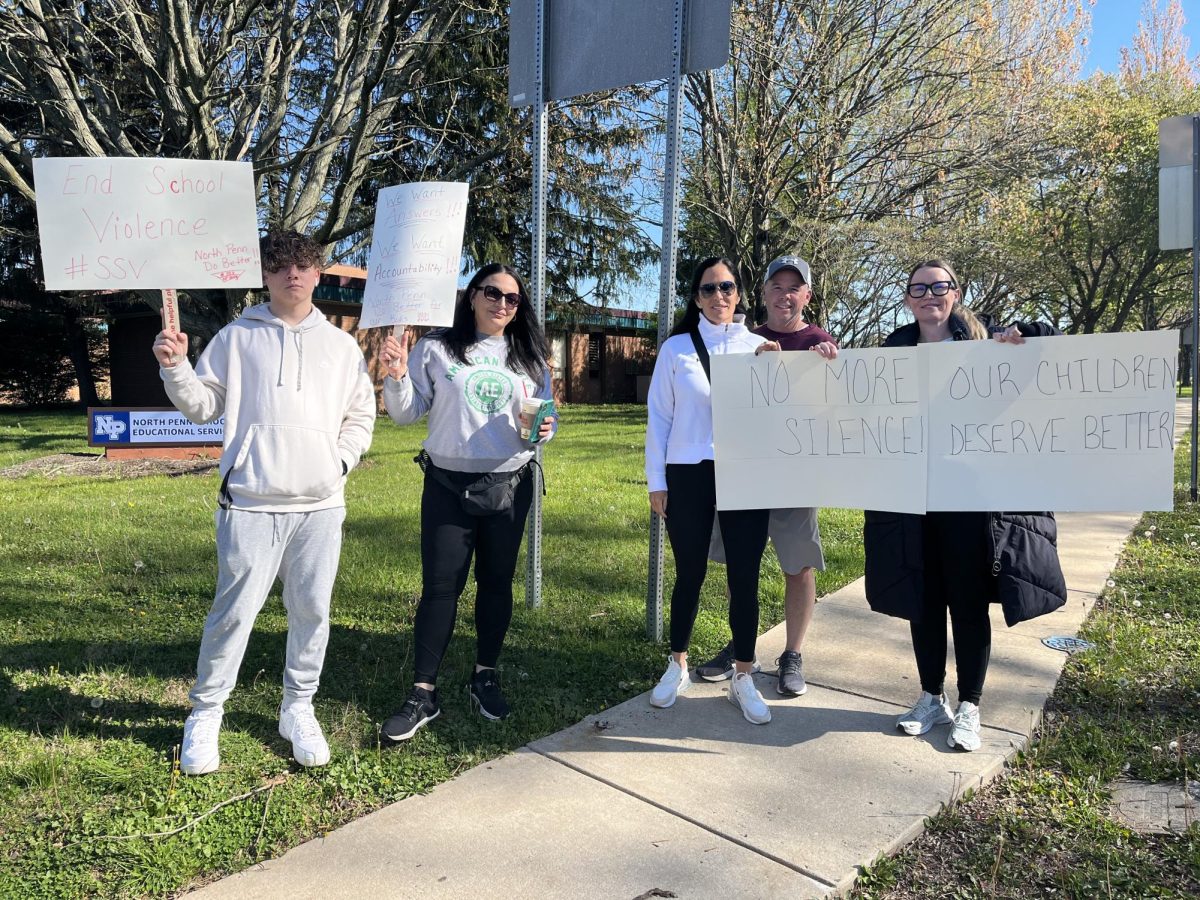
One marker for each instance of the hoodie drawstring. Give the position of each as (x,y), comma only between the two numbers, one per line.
(298,339)
(282,354)
(300,360)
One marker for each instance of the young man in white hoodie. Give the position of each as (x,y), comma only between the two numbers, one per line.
(299,411)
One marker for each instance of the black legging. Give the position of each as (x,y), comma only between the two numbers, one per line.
(958,578)
(691,500)
(449,537)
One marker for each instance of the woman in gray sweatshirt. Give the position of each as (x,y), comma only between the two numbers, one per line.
(470,379)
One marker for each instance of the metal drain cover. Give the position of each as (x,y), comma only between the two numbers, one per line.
(1067,644)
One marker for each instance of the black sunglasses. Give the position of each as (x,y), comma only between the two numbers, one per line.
(711,287)
(917,290)
(495,295)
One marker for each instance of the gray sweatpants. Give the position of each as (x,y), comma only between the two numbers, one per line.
(302,548)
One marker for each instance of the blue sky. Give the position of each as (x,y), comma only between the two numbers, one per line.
(1114,23)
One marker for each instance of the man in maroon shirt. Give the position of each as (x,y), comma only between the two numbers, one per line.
(794,532)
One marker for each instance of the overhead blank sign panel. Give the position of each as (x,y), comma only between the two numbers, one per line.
(593,46)
(1175,183)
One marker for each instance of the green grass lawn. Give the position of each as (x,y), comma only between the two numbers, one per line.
(1128,708)
(30,434)
(104,586)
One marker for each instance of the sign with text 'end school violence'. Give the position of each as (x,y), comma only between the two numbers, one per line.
(1081,423)
(125,223)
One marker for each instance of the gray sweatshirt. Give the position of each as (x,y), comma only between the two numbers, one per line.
(472,409)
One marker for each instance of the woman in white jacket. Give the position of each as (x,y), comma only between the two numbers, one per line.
(682,484)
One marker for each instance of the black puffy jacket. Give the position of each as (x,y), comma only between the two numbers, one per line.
(1023,547)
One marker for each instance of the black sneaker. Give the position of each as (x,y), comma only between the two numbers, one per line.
(720,667)
(791,674)
(419,709)
(486,696)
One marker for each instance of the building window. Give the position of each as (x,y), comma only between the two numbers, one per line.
(558,353)
(595,353)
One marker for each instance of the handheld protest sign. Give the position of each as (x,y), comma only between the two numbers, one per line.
(129,223)
(416,249)
(792,429)
(1078,423)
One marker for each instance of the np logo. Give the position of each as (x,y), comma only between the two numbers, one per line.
(111,427)
(488,391)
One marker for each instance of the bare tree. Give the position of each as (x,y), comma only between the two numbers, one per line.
(306,90)
(834,115)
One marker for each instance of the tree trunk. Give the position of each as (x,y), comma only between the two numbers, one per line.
(81,359)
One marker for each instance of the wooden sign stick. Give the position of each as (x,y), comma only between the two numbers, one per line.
(170,311)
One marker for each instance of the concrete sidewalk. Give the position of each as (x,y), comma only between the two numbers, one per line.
(696,801)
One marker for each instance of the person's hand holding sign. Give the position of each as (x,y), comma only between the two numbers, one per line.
(395,354)
(1010,335)
(170,347)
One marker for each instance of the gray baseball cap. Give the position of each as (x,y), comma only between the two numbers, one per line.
(789,262)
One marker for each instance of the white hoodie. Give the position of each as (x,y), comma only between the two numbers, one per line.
(298,404)
(679,407)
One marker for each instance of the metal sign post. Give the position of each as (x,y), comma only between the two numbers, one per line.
(666,295)
(554,53)
(1195,288)
(1179,223)
(537,288)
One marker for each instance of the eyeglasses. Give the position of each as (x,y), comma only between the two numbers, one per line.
(493,294)
(917,290)
(725,287)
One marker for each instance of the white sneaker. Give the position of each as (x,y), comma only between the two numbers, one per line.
(673,683)
(199,754)
(299,726)
(926,712)
(965,733)
(744,694)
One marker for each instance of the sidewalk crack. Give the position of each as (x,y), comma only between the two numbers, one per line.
(758,851)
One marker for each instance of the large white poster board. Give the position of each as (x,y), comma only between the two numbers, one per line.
(792,429)
(1081,423)
(125,223)
(416,250)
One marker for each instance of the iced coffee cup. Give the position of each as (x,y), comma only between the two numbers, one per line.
(530,406)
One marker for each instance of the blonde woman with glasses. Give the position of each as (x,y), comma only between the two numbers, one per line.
(920,568)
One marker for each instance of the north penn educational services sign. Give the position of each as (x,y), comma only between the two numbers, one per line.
(110,426)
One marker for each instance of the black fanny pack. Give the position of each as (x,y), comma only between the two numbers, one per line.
(487,495)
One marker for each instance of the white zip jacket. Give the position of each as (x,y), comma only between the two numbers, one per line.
(679,406)
(298,404)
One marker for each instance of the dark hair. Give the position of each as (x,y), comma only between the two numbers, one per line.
(690,320)
(528,350)
(964,317)
(279,249)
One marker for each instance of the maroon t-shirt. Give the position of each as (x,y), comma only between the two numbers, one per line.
(805,339)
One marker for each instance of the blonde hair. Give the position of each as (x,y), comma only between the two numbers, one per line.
(960,315)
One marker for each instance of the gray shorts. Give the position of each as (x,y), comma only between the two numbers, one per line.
(794,534)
